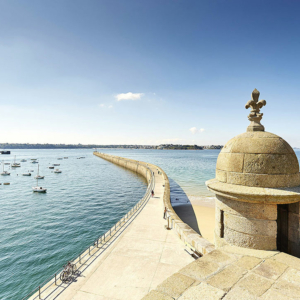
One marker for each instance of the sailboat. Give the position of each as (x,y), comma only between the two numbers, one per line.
(38,188)
(38,176)
(4,173)
(15,165)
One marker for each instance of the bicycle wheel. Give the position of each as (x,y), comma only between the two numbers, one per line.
(74,269)
(64,276)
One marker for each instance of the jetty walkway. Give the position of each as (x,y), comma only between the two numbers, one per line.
(137,259)
(141,259)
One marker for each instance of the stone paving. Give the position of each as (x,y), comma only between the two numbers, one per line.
(141,258)
(234,273)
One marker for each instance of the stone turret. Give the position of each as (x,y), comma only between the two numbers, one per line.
(257,187)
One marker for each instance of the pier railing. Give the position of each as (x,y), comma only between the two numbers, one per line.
(87,256)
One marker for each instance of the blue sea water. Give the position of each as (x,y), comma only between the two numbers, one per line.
(40,232)
(189,169)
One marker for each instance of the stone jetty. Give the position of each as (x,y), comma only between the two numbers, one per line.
(135,258)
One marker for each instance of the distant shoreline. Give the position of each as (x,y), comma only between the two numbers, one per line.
(8,146)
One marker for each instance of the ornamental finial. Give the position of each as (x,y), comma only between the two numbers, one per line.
(255,116)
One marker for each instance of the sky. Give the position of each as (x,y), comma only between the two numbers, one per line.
(147,72)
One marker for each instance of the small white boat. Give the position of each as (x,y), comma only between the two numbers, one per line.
(26,174)
(30,170)
(57,171)
(33,158)
(38,189)
(4,173)
(34,162)
(38,176)
(23,160)
(15,165)
(56,164)
(60,158)
(66,157)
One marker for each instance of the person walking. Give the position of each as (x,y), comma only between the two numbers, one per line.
(165,213)
(152,193)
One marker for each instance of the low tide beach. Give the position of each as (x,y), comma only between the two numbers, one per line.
(199,213)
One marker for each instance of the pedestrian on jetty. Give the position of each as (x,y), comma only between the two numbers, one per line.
(165,213)
(152,193)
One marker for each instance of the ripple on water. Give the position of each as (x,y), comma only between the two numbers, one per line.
(41,232)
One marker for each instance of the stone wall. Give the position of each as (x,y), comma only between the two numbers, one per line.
(248,225)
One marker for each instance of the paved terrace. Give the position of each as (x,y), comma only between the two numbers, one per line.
(143,256)
(234,273)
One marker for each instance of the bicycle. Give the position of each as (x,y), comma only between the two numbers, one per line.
(69,270)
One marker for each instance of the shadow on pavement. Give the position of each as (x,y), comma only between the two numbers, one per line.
(183,206)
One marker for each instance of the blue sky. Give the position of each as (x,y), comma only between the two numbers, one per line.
(64,66)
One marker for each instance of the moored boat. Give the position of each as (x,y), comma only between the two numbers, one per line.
(4,173)
(38,176)
(38,189)
(15,165)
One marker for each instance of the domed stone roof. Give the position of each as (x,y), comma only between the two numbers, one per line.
(257,166)
(258,159)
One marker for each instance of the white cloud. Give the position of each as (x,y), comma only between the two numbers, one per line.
(129,96)
(101,105)
(194,130)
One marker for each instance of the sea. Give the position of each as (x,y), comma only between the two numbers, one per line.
(39,233)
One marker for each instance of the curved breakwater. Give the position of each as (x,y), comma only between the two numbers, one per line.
(52,287)
(91,257)
(185,232)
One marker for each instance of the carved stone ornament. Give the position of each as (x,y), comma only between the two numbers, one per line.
(255,116)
